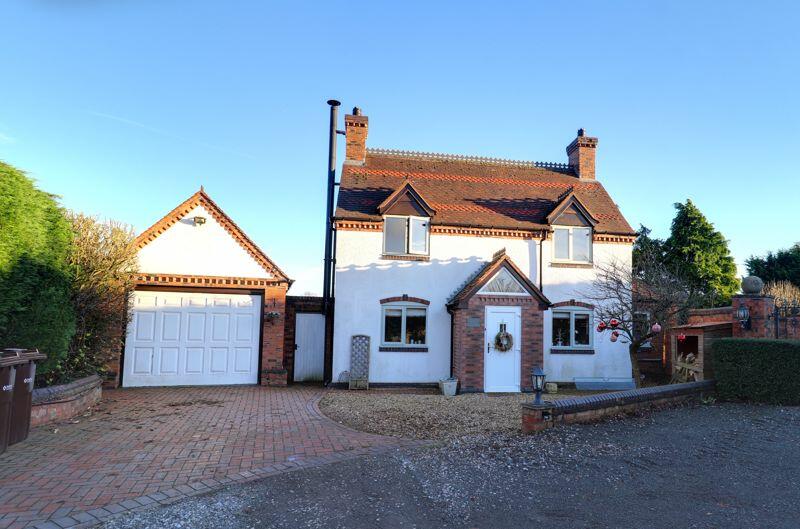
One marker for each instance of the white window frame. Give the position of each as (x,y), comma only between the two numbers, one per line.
(403,306)
(570,239)
(572,311)
(409,227)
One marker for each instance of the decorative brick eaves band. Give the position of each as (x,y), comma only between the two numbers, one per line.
(358,225)
(572,303)
(368,225)
(405,297)
(205,281)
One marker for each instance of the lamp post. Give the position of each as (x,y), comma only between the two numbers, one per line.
(537,381)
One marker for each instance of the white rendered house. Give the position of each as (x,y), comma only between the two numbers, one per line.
(473,267)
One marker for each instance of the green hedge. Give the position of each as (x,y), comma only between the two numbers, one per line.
(35,277)
(758,370)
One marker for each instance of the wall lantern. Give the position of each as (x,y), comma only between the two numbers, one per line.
(272,316)
(199,221)
(537,381)
(743,315)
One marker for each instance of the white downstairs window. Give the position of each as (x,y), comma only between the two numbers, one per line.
(404,324)
(405,235)
(572,244)
(572,329)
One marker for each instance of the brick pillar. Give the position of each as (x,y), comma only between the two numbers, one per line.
(762,309)
(273,369)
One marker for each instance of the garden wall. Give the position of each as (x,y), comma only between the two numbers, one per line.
(59,403)
(537,417)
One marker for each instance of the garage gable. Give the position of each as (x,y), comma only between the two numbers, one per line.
(198,239)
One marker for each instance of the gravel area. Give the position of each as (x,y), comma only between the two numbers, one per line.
(428,416)
(697,466)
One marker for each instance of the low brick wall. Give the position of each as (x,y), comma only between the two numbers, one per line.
(537,417)
(59,403)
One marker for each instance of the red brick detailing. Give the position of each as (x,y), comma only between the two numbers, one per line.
(356,128)
(178,280)
(273,366)
(295,304)
(581,154)
(202,199)
(572,303)
(469,342)
(405,297)
(357,225)
(761,309)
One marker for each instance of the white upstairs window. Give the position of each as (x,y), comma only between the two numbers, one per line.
(406,235)
(572,244)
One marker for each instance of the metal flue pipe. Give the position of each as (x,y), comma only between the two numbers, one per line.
(328,271)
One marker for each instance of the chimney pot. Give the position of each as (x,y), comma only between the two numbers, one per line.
(356,111)
(581,132)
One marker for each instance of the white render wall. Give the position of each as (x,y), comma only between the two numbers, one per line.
(363,279)
(206,250)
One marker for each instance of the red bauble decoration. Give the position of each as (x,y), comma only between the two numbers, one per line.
(601,326)
(656,328)
(614,336)
(614,323)
(681,337)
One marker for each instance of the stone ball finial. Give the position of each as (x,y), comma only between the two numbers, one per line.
(752,285)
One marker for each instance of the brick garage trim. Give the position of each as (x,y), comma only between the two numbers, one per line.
(59,403)
(537,417)
(273,370)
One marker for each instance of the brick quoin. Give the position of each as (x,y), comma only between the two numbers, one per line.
(469,343)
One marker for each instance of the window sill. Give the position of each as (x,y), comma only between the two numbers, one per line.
(570,351)
(403,349)
(565,264)
(404,257)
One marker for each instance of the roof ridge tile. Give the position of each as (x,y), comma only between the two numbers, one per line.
(466,158)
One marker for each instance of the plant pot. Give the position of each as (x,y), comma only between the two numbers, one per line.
(449,386)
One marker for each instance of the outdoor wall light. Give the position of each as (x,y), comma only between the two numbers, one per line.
(272,316)
(537,381)
(743,314)
(199,221)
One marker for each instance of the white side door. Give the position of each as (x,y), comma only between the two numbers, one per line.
(309,355)
(502,368)
(192,339)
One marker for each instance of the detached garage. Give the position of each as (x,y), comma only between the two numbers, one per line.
(208,307)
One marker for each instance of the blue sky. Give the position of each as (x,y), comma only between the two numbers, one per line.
(125,107)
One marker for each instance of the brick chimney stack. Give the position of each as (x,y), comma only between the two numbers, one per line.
(581,155)
(356,127)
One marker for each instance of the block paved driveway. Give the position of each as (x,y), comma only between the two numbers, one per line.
(151,444)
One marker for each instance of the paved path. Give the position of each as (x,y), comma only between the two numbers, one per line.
(146,445)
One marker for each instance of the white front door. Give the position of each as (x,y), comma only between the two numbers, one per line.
(309,354)
(192,338)
(502,368)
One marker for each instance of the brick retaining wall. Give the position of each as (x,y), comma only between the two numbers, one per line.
(59,403)
(537,417)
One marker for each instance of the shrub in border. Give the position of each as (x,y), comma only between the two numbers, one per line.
(758,370)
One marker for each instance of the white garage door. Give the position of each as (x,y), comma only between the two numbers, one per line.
(192,338)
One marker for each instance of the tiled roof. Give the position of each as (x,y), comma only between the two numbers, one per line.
(472,191)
